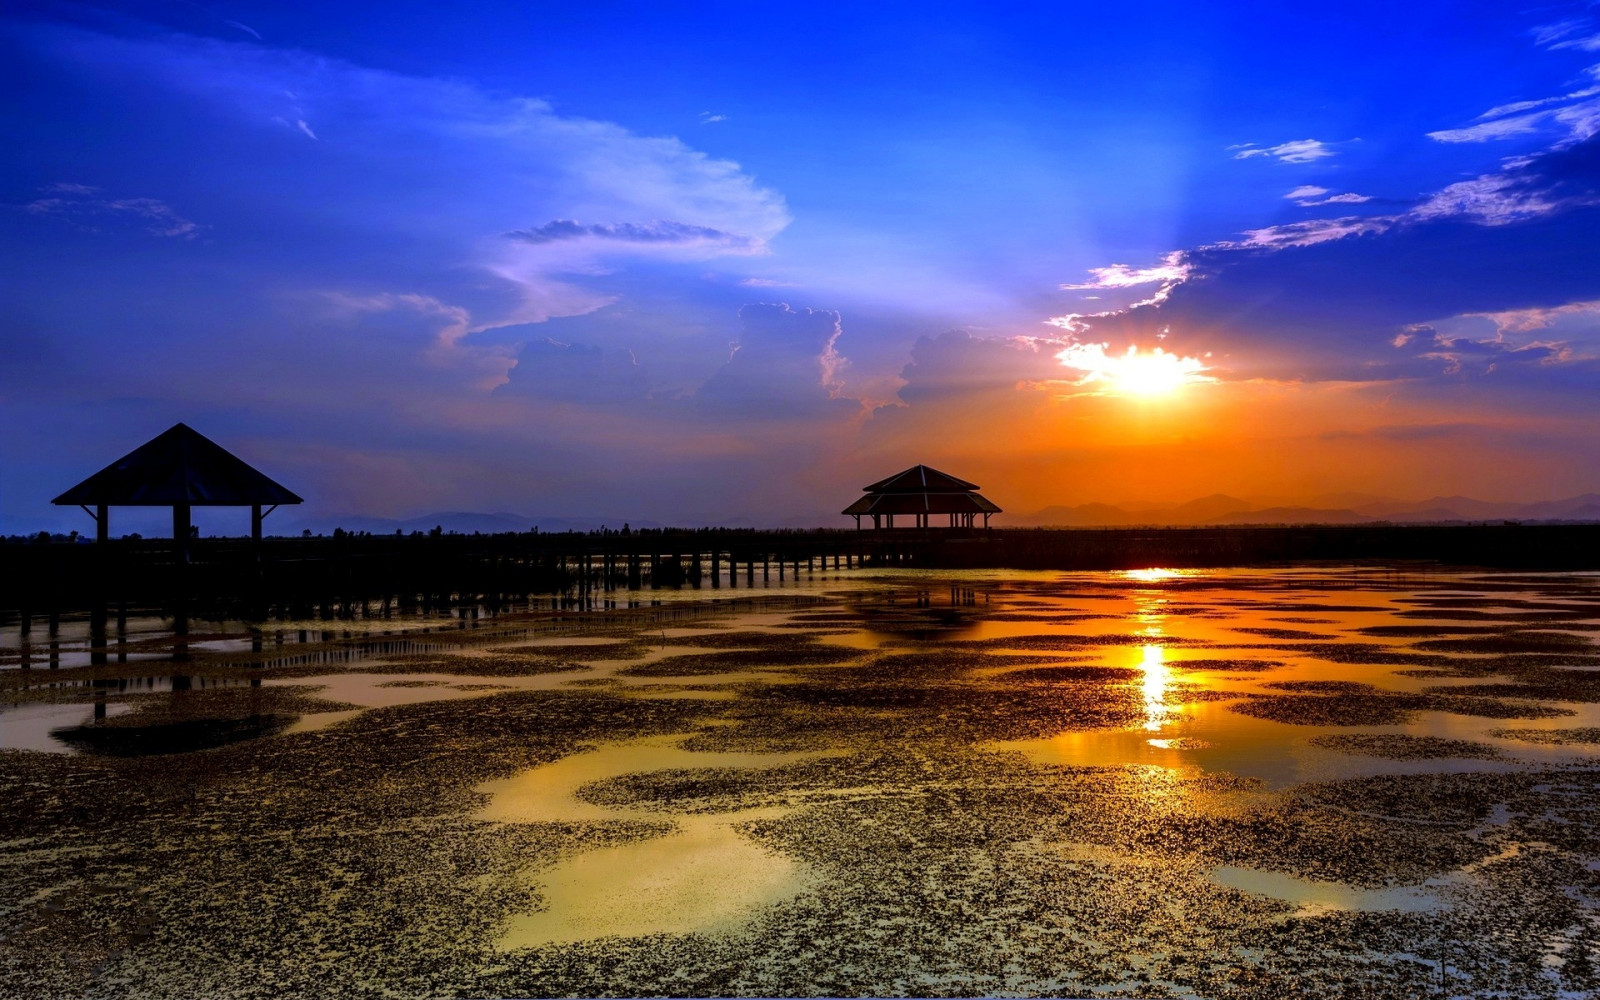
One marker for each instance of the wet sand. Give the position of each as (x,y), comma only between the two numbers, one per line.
(1316,782)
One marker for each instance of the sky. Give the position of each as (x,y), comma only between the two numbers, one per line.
(727,263)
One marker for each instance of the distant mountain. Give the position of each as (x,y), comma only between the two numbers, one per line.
(1294,515)
(1331,508)
(1089,515)
(1212,508)
(1358,502)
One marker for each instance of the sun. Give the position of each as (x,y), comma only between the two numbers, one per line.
(1139,373)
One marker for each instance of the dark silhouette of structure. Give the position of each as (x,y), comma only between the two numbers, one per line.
(922,492)
(181,469)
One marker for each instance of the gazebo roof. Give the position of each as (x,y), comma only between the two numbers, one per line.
(180,466)
(919,479)
(922,503)
(921,490)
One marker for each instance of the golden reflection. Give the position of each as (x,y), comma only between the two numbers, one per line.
(1155,574)
(1156,679)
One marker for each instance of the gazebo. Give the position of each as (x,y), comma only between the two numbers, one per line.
(922,492)
(181,469)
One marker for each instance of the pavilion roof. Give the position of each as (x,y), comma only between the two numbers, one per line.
(920,478)
(922,503)
(179,466)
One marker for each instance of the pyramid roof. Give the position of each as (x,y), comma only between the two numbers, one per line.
(179,466)
(920,479)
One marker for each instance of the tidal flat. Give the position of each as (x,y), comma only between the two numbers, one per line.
(1332,781)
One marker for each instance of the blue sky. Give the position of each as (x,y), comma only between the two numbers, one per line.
(703,262)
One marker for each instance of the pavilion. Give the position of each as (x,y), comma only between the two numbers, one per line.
(922,492)
(181,469)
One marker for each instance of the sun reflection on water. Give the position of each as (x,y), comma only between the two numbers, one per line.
(1156,679)
(1155,574)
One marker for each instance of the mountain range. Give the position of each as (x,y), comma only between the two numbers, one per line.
(1333,508)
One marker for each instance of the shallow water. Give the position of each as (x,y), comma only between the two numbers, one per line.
(1254,783)
(698,875)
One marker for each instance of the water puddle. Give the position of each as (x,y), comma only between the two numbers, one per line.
(1314,898)
(702,876)
(29,727)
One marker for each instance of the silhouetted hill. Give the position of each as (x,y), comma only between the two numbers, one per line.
(1294,515)
(1332,508)
(1211,508)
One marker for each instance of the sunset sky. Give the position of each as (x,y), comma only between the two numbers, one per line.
(701,262)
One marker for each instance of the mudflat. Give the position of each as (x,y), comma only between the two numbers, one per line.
(1266,783)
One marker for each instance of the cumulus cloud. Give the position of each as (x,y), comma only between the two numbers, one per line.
(583,373)
(958,364)
(1297,151)
(82,207)
(785,365)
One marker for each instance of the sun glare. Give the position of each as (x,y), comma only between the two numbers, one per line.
(1155,574)
(1136,372)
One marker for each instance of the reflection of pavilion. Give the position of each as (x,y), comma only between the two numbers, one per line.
(922,492)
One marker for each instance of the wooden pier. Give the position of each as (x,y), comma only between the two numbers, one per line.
(353,575)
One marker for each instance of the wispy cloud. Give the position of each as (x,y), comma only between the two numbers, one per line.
(1172,268)
(1528,320)
(253,33)
(1516,193)
(1173,271)
(297,124)
(1573,116)
(81,206)
(712,117)
(1580,33)
(1304,234)
(1311,196)
(660,231)
(1490,200)
(1296,151)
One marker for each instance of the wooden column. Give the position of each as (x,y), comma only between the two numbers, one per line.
(180,532)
